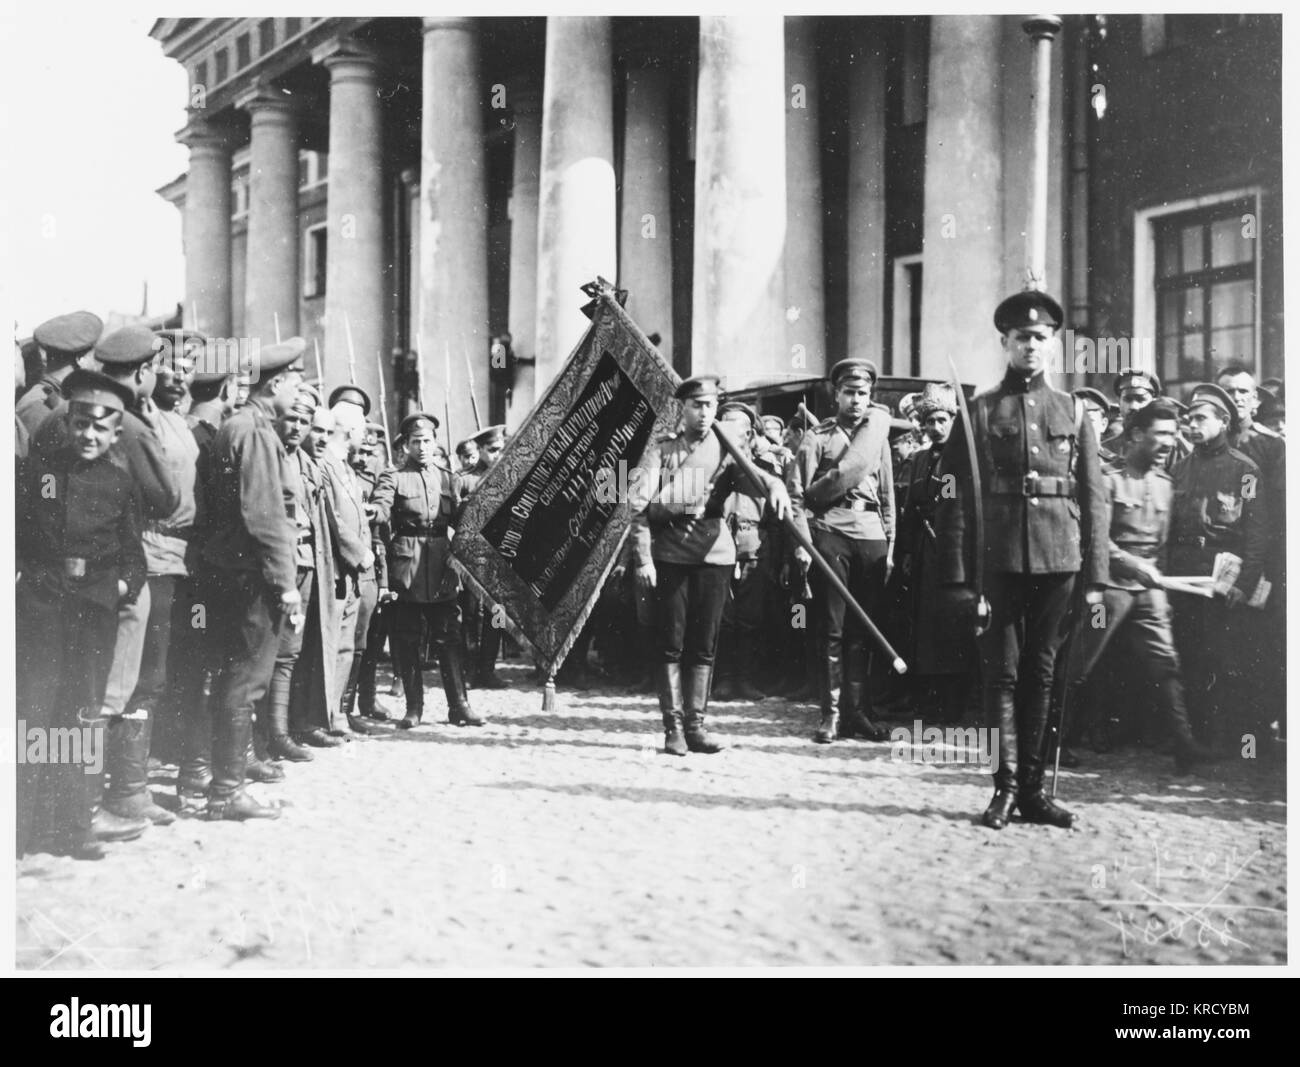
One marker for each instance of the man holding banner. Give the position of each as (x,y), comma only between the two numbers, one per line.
(685,553)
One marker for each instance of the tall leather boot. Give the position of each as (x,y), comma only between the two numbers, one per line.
(854,721)
(128,793)
(489,646)
(451,666)
(672,709)
(407,669)
(104,824)
(231,743)
(281,745)
(194,777)
(724,685)
(830,681)
(1187,750)
(365,683)
(695,702)
(1000,715)
(1035,805)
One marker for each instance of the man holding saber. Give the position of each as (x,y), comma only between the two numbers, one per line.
(841,485)
(1024,460)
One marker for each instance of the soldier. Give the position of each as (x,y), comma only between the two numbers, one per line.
(685,553)
(1268,449)
(78,557)
(166,544)
(65,340)
(491,442)
(1219,506)
(938,644)
(372,623)
(294,713)
(842,486)
(1097,406)
(467,456)
(253,582)
(1136,389)
(195,661)
(757,537)
(420,503)
(1140,493)
(1044,529)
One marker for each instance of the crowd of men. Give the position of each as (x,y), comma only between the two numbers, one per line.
(211,562)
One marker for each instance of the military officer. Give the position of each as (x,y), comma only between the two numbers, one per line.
(65,340)
(78,556)
(938,645)
(420,502)
(684,552)
(251,555)
(1140,493)
(842,486)
(372,622)
(1045,524)
(1219,507)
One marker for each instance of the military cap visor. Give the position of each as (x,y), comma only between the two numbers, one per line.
(414,421)
(1028,308)
(1137,379)
(767,420)
(699,386)
(1217,398)
(1094,396)
(851,369)
(272,359)
(732,407)
(72,334)
(129,345)
(489,435)
(351,394)
(96,392)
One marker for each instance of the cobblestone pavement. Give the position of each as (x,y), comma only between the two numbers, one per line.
(566,840)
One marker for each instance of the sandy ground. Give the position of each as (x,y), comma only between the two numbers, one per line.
(567,840)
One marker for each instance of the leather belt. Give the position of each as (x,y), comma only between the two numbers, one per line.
(421,531)
(1032,484)
(1188,540)
(856,505)
(1142,551)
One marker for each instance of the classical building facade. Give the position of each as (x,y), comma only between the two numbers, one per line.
(775,193)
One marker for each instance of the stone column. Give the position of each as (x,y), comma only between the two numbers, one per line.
(453,226)
(271,282)
(525,103)
(354,272)
(577,236)
(645,266)
(866,209)
(207,228)
(805,295)
(738,328)
(963,236)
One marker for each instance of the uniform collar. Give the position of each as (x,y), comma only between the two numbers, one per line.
(1219,446)
(1014,381)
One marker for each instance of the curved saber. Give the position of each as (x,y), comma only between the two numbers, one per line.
(751,472)
(983,614)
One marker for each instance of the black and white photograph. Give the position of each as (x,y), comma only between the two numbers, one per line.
(568,492)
